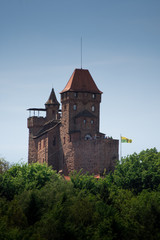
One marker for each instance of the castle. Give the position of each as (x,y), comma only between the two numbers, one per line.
(69,139)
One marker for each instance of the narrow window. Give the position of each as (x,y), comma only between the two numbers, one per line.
(84,121)
(93,95)
(93,108)
(74,107)
(54,141)
(92,121)
(75,94)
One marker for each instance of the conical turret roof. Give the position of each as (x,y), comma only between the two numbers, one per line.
(81,81)
(52,99)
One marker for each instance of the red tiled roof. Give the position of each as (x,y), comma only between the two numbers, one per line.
(67,178)
(97,176)
(81,81)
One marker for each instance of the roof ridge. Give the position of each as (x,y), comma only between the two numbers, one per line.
(85,113)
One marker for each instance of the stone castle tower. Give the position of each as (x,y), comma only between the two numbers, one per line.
(69,139)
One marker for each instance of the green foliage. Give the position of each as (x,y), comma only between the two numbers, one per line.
(21,177)
(4,165)
(139,171)
(38,204)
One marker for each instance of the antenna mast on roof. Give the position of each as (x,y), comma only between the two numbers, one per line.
(81,52)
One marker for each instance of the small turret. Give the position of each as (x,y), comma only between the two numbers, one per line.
(52,107)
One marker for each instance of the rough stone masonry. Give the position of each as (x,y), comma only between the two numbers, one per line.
(69,138)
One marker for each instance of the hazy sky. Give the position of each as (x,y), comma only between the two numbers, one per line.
(40,48)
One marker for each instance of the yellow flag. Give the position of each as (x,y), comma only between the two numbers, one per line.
(126,140)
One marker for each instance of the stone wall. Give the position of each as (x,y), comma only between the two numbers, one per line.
(34,124)
(42,145)
(93,156)
(64,146)
(54,149)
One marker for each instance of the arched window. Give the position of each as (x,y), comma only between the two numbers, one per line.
(92,121)
(88,137)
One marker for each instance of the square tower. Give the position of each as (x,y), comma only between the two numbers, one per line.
(80,107)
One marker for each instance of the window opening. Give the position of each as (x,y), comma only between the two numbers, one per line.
(93,108)
(88,137)
(54,141)
(74,107)
(75,94)
(93,95)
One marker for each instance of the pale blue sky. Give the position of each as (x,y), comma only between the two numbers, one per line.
(40,48)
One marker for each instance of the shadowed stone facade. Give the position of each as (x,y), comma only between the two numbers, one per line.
(69,139)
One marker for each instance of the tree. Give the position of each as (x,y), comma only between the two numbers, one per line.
(4,165)
(38,204)
(139,171)
(21,177)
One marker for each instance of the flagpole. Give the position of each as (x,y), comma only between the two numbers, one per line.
(120,148)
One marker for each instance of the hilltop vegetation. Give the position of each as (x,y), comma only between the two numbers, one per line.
(38,204)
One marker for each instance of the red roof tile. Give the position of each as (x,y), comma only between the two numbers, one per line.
(67,178)
(81,81)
